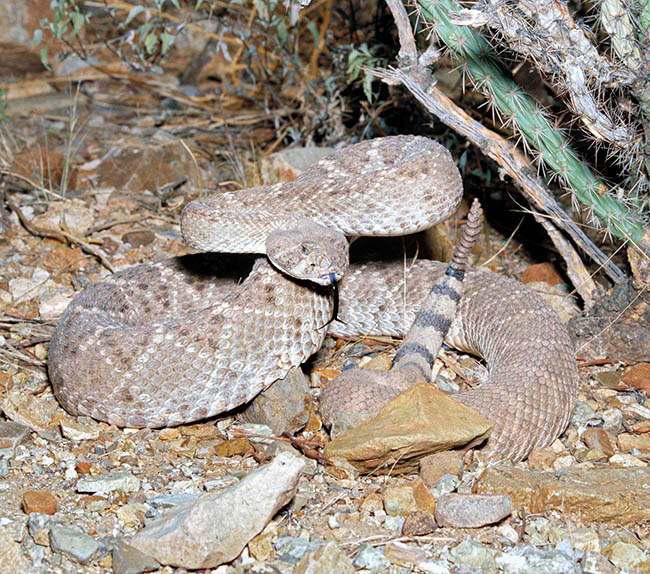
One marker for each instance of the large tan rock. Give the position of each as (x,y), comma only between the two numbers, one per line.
(614,496)
(214,528)
(417,423)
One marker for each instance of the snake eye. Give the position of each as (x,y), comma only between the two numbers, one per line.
(305,249)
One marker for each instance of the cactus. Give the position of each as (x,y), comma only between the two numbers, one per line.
(526,117)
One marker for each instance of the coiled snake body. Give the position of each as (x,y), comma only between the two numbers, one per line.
(161,344)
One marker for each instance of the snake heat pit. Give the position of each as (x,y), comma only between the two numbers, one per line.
(164,344)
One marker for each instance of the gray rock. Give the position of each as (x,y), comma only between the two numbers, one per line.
(284,406)
(613,421)
(4,468)
(527,559)
(596,563)
(474,555)
(292,548)
(394,523)
(448,483)
(583,414)
(215,528)
(471,510)
(328,559)
(39,527)
(372,559)
(129,560)
(73,542)
(12,434)
(118,480)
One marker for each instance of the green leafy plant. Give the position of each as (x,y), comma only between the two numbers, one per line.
(361,60)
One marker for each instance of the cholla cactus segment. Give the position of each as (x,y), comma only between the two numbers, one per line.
(529,120)
(628,26)
(545,32)
(616,21)
(644,17)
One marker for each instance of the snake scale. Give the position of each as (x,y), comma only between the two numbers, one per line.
(167,343)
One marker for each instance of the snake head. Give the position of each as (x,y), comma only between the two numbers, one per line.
(309,251)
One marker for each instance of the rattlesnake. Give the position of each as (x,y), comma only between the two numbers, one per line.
(161,344)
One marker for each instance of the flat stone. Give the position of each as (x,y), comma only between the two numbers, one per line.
(627,460)
(372,503)
(12,434)
(418,422)
(233,447)
(638,377)
(129,560)
(542,458)
(328,559)
(419,523)
(284,406)
(404,554)
(614,496)
(471,510)
(399,500)
(139,238)
(79,430)
(73,542)
(435,466)
(118,480)
(640,442)
(595,437)
(35,412)
(189,536)
(41,501)
(423,497)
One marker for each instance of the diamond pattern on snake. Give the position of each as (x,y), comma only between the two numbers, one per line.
(166,343)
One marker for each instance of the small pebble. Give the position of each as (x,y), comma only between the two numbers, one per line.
(79,429)
(111,481)
(41,501)
(73,542)
(12,434)
(418,523)
(448,483)
(292,548)
(372,559)
(472,510)
(399,500)
(472,554)
(129,560)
